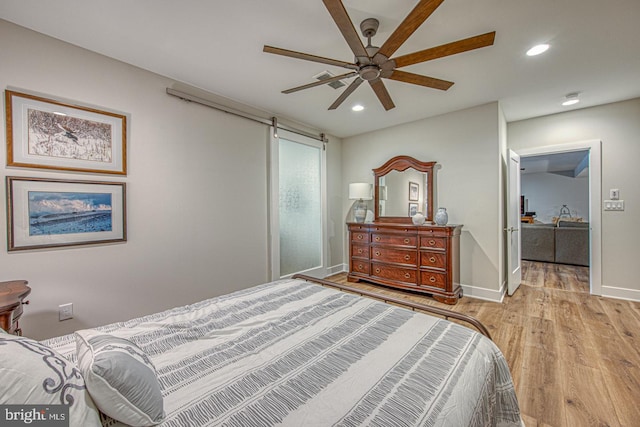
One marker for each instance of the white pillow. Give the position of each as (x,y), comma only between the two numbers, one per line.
(34,374)
(120,378)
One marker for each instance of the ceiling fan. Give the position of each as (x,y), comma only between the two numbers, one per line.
(372,63)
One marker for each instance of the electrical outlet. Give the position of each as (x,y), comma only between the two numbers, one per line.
(65,311)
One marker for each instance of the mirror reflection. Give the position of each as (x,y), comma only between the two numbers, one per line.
(403,193)
(403,187)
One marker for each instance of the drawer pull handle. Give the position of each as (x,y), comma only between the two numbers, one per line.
(360,236)
(377,238)
(407,241)
(432,279)
(360,267)
(432,242)
(377,253)
(377,270)
(407,257)
(432,259)
(407,275)
(359,251)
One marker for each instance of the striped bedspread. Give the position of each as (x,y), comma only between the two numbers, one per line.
(298,354)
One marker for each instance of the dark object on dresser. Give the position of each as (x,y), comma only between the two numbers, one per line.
(12,295)
(424,258)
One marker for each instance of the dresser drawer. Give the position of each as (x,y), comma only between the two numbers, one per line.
(433,242)
(394,239)
(433,279)
(359,251)
(433,260)
(359,237)
(359,266)
(397,274)
(399,256)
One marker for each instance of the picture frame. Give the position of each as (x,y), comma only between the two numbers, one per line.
(46,133)
(413,209)
(52,213)
(414,191)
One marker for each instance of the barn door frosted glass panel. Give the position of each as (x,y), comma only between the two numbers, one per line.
(300,207)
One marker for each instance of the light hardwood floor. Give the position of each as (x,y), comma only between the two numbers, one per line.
(574,358)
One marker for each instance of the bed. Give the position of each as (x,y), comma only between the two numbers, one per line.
(291,352)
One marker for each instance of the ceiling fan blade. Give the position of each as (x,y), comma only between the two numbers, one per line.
(417,79)
(342,20)
(382,93)
(448,49)
(345,93)
(308,57)
(416,17)
(321,82)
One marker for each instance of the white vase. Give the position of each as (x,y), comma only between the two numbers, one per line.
(442,217)
(418,218)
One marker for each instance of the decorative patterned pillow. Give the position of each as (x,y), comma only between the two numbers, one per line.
(34,374)
(120,378)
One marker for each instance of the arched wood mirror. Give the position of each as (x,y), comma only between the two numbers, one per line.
(403,186)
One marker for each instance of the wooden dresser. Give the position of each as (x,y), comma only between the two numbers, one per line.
(12,295)
(423,258)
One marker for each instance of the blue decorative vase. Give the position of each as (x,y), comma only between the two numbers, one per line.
(442,217)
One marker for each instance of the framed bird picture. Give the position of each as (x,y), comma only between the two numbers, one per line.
(48,133)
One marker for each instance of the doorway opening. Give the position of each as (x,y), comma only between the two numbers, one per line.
(563,198)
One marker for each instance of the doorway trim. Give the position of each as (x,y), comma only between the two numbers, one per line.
(595,196)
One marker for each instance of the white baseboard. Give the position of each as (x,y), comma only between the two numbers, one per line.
(340,268)
(621,293)
(483,293)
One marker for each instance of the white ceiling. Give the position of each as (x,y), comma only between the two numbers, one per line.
(217,46)
(562,163)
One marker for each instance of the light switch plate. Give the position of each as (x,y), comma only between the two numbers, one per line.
(614,205)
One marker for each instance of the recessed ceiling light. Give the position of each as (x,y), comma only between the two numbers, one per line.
(357,107)
(537,49)
(571,99)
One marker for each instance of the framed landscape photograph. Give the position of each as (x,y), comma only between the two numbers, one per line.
(48,213)
(414,191)
(49,134)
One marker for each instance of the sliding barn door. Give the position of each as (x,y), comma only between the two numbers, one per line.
(298,209)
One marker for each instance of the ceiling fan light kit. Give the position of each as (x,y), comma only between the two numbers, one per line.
(372,64)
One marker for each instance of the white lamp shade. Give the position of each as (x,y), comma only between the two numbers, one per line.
(360,190)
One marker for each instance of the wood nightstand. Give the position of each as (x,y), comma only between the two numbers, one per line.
(12,295)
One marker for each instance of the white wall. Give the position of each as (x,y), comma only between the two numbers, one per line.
(196,195)
(546,193)
(617,125)
(466,145)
